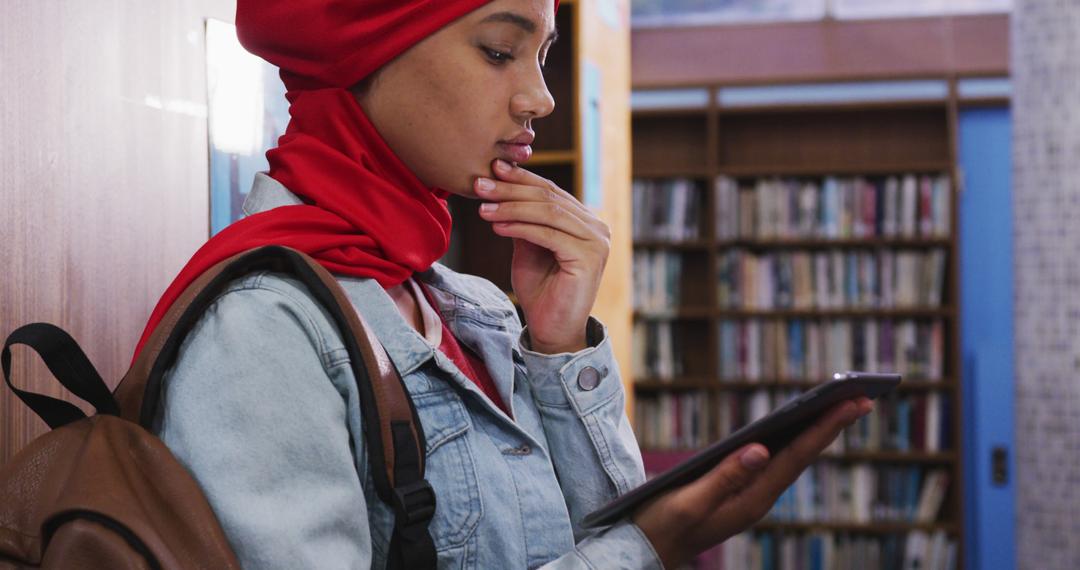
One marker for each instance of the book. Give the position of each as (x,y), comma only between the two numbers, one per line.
(758,550)
(828,279)
(830,207)
(666,209)
(932,496)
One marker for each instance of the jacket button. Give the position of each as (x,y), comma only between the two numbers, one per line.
(588,378)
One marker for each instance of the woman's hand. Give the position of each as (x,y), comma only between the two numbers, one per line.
(560,250)
(736,493)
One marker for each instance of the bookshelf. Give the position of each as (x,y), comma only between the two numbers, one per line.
(719,284)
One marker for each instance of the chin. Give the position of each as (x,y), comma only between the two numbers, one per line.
(463,188)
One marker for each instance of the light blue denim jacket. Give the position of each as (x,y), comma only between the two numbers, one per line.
(262,407)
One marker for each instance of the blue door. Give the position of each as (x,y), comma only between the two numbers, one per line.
(986,293)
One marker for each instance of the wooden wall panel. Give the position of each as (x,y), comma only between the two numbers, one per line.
(103,173)
(821,50)
(605,42)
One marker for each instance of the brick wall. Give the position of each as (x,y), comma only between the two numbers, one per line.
(1046,156)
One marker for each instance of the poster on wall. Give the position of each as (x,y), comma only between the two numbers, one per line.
(246,114)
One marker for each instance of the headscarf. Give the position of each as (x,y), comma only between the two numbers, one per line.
(364,213)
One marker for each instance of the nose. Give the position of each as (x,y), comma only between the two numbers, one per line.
(533,100)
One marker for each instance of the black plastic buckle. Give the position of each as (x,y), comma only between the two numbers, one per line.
(414,503)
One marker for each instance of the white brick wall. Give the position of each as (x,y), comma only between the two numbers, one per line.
(1046,158)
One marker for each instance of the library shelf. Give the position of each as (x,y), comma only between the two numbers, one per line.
(838,169)
(693,313)
(546,157)
(700,173)
(692,244)
(718,146)
(873,527)
(685,383)
(698,313)
(795,243)
(673,456)
(891,456)
(897,313)
(836,243)
(827,107)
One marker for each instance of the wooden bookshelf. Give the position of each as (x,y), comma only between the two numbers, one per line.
(854,313)
(805,142)
(685,383)
(851,527)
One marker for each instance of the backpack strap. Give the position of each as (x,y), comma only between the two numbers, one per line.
(69,365)
(395,438)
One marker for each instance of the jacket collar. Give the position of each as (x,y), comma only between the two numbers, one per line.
(463,303)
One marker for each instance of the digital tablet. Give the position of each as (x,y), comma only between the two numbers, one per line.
(774,431)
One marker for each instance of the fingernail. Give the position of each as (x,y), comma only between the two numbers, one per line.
(501,165)
(754,458)
(485,184)
(489,207)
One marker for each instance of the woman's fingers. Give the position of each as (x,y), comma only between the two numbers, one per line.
(728,477)
(679,522)
(538,214)
(518,175)
(806,448)
(790,462)
(501,192)
(566,248)
(549,214)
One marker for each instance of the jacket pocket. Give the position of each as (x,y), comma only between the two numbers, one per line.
(451,468)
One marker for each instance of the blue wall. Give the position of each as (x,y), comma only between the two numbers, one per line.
(986,313)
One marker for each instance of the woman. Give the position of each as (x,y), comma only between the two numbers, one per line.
(395,105)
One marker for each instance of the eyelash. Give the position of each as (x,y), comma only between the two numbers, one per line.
(500,58)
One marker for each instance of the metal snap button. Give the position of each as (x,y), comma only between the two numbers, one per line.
(588,378)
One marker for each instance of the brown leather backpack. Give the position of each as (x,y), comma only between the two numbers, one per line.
(104,492)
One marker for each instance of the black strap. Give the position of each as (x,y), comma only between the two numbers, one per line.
(69,365)
(411,545)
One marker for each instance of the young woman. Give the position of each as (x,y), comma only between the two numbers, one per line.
(395,105)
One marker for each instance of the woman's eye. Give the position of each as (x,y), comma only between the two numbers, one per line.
(498,56)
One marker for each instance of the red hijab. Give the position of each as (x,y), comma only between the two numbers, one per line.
(365,214)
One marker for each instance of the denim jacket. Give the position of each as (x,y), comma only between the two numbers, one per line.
(262,408)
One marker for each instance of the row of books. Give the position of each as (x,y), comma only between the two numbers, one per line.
(915,550)
(692,419)
(667,209)
(907,206)
(830,279)
(753,349)
(861,493)
(657,276)
(794,349)
(914,422)
(658,349)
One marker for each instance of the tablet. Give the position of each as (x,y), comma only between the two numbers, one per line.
(774,431)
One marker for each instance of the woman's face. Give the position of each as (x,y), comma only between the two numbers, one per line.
(446,105)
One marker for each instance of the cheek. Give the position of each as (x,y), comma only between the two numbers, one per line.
(464,123)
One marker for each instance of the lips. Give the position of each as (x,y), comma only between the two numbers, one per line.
(524,137)
(517,149)
(515,152)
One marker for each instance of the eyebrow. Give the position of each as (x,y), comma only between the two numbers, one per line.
(521,22)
